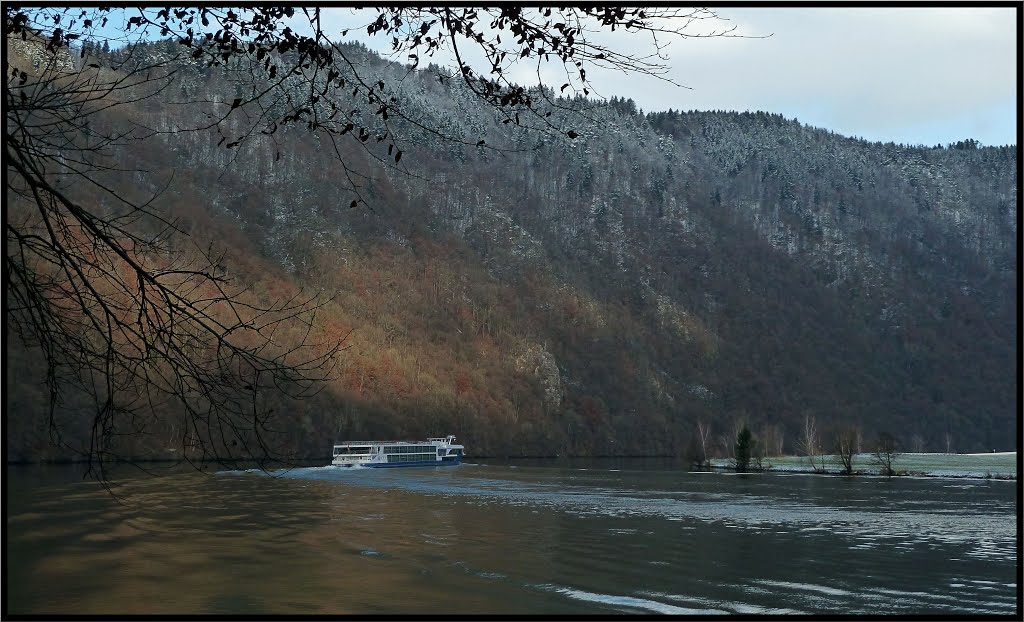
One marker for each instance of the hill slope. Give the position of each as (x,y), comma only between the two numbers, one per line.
(602,295)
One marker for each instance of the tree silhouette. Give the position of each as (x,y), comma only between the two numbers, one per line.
(846,441)
(885,453)
(744,449)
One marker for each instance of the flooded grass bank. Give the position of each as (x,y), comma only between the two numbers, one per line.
(1001,465)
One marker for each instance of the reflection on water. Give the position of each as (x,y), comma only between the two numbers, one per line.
(497,539)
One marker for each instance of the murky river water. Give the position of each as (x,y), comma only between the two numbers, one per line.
(602,538)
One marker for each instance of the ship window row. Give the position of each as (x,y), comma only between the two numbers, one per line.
(410,457)
(351,450)
(409,449)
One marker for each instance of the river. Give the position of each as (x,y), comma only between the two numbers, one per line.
(591,537)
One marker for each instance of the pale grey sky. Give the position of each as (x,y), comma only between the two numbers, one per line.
(921,75)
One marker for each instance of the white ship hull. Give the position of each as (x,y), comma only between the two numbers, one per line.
(387,454)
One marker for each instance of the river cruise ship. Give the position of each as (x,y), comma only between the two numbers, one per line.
(431,452)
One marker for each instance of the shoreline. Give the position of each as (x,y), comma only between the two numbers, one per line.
(713,467)
(1001,476)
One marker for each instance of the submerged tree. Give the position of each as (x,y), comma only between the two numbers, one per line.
(810,444)
(885,453)
(704,435)
(120,302)
(846,441)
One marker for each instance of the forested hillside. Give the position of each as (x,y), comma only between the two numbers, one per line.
(540,294)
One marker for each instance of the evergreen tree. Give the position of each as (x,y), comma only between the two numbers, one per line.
(744,449)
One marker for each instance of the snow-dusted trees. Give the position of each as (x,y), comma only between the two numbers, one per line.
(102,281)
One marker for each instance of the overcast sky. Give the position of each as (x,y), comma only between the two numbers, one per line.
(921,75)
